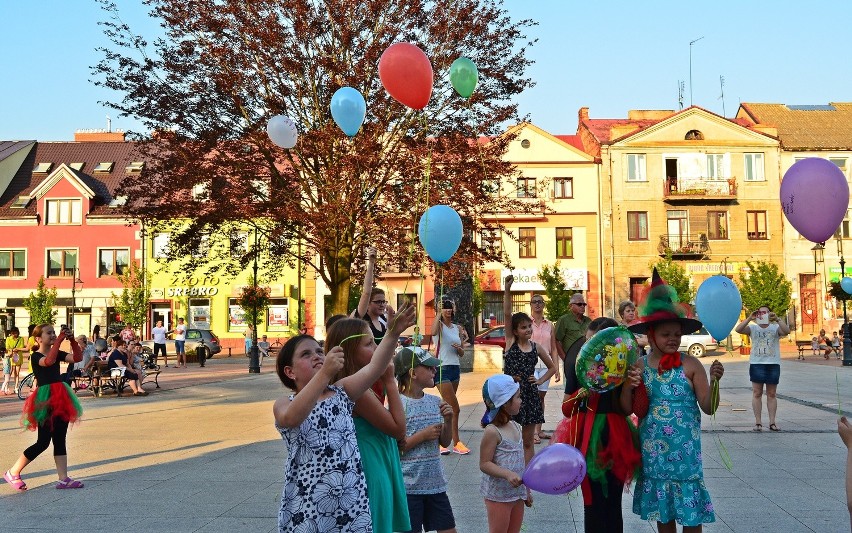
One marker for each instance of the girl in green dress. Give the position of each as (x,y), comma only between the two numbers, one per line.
(377,429)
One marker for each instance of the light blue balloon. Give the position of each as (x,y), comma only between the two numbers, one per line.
(846,285)
(440,232)
(718,304)
(348,110)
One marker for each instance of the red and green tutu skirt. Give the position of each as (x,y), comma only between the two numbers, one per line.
(51,402)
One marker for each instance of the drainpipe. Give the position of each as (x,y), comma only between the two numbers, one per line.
(600,247)
(611,231)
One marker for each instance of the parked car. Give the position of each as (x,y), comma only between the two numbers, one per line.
(698,343)
(493,336)
(195,338)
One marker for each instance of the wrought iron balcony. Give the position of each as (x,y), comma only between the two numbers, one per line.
(691,189)
(684,246)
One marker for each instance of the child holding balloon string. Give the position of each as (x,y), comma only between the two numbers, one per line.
(501,456)
(519,361)
(670,488)
(377,428)
(596,424)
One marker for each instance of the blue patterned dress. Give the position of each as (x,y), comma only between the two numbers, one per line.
(671,486)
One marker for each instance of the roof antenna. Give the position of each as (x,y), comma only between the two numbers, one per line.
(722,90)
(109,124)
(690,67)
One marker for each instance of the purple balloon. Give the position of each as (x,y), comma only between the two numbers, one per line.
(814,198)
(557,469)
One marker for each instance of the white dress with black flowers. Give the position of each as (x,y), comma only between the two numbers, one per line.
(324,485)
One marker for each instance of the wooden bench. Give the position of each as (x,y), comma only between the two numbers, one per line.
(151,375)
(802,346)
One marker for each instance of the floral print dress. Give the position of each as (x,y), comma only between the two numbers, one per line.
(671,486)
(521,365)
(325,489)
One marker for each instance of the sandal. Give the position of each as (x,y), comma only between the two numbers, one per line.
(16,481)
(758,427)
(536,439)
(69,483)
(543,435)
(773,427)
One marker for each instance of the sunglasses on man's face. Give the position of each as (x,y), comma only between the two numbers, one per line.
(582,304)
(380,302)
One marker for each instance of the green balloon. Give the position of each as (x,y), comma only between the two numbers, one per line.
(464,76)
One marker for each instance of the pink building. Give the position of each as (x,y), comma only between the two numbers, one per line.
(60,219)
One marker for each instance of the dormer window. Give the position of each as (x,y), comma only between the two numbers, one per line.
(20,202)
(64,212)
(103,167)
(694,135)
(42,168)
(135,167)
(77,166)
(118,201)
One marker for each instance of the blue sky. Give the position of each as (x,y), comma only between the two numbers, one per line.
(608,56)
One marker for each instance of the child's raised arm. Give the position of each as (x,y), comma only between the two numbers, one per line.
(390,421)
(507,311)
(289,414)
(360,381)
(708,400)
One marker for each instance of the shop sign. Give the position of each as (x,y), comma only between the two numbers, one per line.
(192,291)
(526,279)
(278,316)
(193,286)
(714,268)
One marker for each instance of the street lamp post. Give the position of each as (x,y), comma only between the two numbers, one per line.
(847,342)
(74,281)
(254,358)
(818,250)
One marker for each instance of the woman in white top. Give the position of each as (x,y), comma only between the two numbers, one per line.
(764,361)
(450,340)
(544,337)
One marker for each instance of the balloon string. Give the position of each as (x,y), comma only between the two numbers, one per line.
(353,337)
(720,446)
(440,318)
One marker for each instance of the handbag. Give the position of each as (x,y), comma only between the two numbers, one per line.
(117,372)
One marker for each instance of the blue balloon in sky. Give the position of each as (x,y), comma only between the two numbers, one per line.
(846,284)
(348,110)
(440,232)
(718,304)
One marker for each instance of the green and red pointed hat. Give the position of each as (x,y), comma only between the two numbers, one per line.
(661,305)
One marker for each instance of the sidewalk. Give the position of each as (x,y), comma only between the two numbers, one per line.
(205,457)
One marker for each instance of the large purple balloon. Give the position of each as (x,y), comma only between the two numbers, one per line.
(557,469)
(814,198)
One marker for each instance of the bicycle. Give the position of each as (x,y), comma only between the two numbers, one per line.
(26,386)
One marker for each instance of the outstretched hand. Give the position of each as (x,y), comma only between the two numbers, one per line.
(402,319)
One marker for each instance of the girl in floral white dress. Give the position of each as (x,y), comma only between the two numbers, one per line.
(324,486)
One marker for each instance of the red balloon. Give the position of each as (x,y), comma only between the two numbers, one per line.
(406,74)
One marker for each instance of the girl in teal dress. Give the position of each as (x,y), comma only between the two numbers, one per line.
(377,429)
(673,386)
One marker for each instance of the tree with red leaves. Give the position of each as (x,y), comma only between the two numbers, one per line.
(210,84)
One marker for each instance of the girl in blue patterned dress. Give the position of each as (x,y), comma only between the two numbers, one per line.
(325,489)
(671,486)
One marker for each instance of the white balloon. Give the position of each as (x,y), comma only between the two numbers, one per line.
(282,130)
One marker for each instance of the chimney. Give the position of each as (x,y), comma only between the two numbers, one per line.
(81,136)
(583,114)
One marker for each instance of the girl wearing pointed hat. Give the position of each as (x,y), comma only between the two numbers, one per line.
(671,486)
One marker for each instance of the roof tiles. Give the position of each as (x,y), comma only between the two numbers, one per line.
(817,127)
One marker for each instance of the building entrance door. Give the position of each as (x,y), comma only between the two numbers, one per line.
(161,312)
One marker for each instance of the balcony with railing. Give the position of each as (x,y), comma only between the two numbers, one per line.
(684,246)
(685,189)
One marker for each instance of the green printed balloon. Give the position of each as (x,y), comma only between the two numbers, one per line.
(603,361)
(464,76)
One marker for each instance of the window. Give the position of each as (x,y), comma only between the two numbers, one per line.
(840,162)
(238,243)
(694,135)
(13,263)
(203,246)
(526,188)
(161,245)
(64,211)
(637,225)
(113,262)
(526,236)
(754,167)
(61,263)
(844,229)
(756,225)
(200,192)
(492,240)
(717,225)
(636,167)
(564,243)
(716,166)
(563,187)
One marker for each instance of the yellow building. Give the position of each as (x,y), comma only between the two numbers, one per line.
(693,184)
(554,169)
(811,131)
(209,301)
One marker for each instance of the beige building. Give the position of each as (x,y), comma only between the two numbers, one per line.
(810,131)
(692,184)
(553,168)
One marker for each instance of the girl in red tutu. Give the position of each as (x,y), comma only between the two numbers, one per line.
(596,425)
(51,408)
